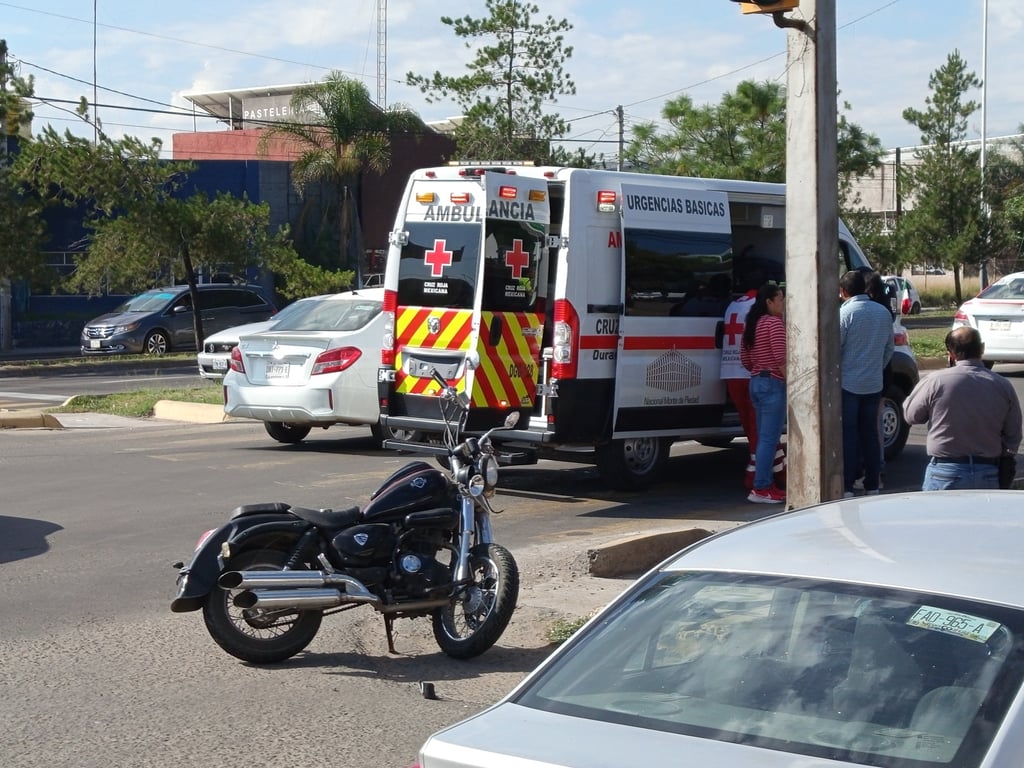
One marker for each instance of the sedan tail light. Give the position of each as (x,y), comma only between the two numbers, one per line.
(236,361)
(960,315)
(335,360)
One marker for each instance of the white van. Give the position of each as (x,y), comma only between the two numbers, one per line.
(591,301)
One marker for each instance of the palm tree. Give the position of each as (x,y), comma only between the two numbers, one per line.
(340,134)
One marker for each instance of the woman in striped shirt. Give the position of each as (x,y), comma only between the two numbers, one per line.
(763,353)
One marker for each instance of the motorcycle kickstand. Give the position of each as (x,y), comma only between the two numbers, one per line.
(389,622)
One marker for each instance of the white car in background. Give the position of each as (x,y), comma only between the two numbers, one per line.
(314,369)
(216,352)
(998,315)
(908,300)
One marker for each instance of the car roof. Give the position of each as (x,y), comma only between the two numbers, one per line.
(965,543)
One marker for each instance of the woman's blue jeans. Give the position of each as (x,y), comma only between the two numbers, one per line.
(768,395)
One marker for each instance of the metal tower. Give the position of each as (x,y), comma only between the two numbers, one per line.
(382,53)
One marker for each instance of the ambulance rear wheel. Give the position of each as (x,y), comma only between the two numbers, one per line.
(634,464)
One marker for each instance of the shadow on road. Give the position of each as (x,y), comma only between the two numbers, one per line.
(24,537)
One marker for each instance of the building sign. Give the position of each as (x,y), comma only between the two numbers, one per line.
(261,110)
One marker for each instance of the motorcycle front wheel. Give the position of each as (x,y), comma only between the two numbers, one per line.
(257,635)
(475,619)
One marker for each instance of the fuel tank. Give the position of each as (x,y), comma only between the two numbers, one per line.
(414,487)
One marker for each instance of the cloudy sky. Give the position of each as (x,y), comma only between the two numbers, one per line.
(637,55)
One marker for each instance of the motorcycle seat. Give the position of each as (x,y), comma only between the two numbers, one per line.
(328,518)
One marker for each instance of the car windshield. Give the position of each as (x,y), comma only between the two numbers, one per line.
(331,315)
(1009,288)
(146,302)
(293,311)
(827,670)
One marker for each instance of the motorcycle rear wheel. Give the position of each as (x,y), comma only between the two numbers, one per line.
(474,621)
(252,634)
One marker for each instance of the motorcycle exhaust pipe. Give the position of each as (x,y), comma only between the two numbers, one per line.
(300,599)
(261,579)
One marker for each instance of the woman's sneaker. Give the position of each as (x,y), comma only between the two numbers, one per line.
(769,495)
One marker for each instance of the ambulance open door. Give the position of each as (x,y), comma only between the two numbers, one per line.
(676,245)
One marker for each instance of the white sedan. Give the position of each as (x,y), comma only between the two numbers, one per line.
(998,314)
(878,631)
(214,358)
(315,369)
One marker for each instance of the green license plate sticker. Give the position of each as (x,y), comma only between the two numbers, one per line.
(953,623)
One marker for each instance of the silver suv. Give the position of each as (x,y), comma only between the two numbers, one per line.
(161,320)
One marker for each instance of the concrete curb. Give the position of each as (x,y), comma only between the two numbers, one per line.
(28,420)
(633,555)
(195,413)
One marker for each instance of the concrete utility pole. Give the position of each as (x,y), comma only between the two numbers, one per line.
(814,430)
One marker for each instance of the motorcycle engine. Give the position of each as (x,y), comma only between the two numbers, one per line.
(417,569)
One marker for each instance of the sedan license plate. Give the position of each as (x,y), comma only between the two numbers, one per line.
(277,370)
(95,343)
(220,364)
(999,325)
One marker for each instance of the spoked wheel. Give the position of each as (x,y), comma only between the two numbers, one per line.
(474,621)
(156,343)
(254,634)
(286,433)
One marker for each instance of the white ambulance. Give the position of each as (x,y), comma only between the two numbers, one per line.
(590,301)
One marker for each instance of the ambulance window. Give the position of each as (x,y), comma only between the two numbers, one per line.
(512,253)
(439,265)
(664,268)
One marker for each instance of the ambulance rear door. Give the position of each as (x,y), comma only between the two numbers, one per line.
(511,299)
(677,253)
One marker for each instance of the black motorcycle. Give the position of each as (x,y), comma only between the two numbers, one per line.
(422,546)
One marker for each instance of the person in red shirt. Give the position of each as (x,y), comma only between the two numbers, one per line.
(763,353)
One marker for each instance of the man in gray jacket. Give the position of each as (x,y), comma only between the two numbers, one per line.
(973,417)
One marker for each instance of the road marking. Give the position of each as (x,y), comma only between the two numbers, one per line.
(31,396)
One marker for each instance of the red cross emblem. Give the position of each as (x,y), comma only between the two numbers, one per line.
(438,259)
(517,259)
(733,328)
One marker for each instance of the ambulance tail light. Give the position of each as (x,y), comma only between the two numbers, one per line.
(507,193)
(387,345)
(606,201)
(460,198)
(565,341)
(425,197)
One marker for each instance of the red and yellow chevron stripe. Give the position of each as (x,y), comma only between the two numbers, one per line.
(508,370)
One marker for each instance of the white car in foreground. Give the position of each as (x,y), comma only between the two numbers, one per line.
(213,360)
(881,631)
(315,369)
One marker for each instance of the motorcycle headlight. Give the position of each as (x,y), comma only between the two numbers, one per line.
(489,469)
(476,485)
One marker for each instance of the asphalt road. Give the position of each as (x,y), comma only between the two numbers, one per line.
(98,672)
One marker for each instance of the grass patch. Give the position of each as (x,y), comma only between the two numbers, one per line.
(563,629)
(928,342)
(139,404)
(87,363)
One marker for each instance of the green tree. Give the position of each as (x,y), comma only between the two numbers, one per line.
(142,231)
(1004,197)
(741,137)
(345,135)
(20,221)
(518,66)
(946,223)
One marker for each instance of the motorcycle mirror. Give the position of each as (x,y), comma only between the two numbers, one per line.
(512,419)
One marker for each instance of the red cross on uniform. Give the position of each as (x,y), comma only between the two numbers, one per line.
(438,259)
(517,259)
(733,328)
